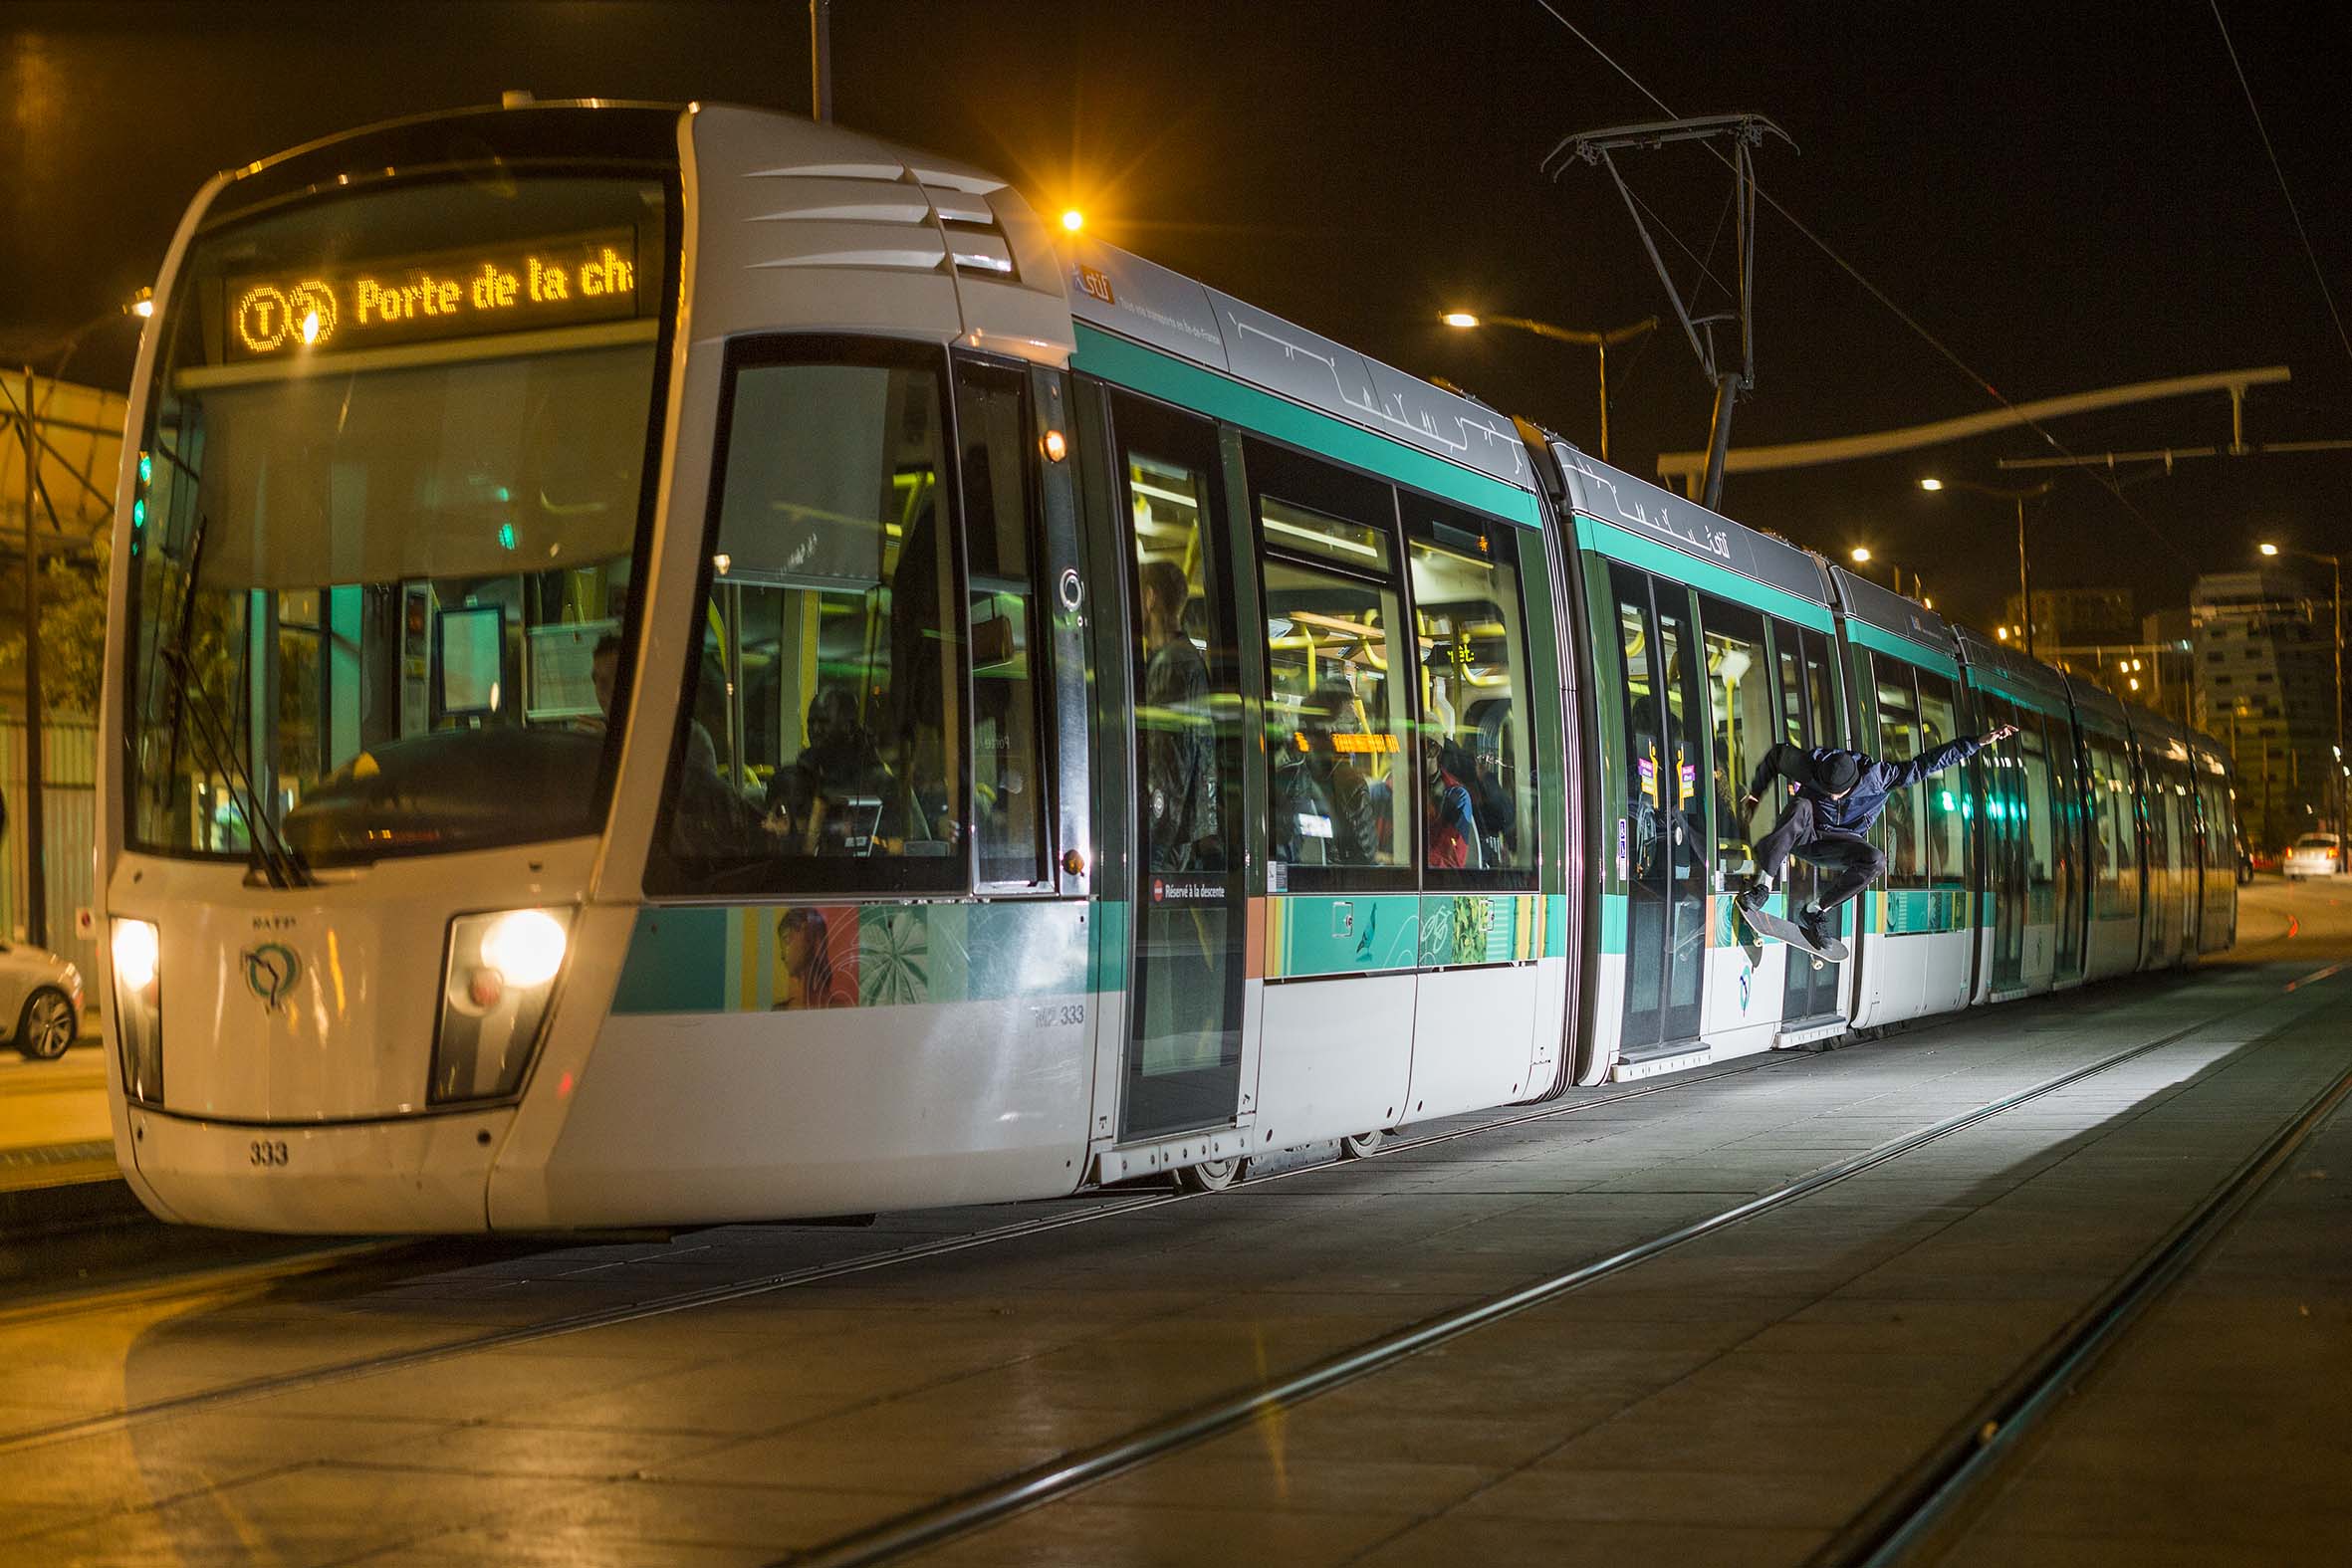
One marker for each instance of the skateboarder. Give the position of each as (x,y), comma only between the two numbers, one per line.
(1838,795)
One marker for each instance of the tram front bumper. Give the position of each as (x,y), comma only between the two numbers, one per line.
(376,1178)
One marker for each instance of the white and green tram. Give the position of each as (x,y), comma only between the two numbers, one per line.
(680,665)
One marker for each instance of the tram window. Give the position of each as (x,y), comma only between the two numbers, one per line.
(307,519)
(2123,800)
(1739,688)
(827,673)
(1946,795)
(1008,758)
(2118,844)
(1338,712)
(1343,788)
(1186,750)
(2033,761)
(1471,646)
(1899,741)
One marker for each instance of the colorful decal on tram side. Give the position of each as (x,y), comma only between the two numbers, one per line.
(1310,936)
(784,957)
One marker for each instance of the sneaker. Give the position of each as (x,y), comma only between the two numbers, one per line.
(1753,896)
(1814,922)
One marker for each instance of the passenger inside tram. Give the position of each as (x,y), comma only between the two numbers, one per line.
(1327,813)
(829,800)
(1179,739)
(1454,839)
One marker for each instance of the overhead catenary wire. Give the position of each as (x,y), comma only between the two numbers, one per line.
(1949,355)
(2318,272)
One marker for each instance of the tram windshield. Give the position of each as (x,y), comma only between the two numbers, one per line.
(388,521)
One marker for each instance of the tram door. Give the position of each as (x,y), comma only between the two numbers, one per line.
(2006,833)
(1189,917)
(1808,713)
(1665,861)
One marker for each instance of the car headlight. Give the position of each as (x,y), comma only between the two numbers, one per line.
(139,1008)
(496,983)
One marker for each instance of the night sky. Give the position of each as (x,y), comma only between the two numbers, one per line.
(2067,201)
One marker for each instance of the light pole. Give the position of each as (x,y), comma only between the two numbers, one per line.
(2021,497)
(1599,343)
(2335,567)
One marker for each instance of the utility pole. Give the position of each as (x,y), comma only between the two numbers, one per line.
(36,861)
(1746,134)
(820,61)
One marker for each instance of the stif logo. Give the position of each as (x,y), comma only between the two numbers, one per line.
(270,972)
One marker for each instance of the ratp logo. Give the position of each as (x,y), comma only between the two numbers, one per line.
(270,972)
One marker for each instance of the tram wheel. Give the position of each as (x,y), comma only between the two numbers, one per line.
(47,1026)
(1212,1176)
(1362,1146)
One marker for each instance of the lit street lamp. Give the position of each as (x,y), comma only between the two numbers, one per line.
(1862,558)
(1599,343)
(2021,497)
(2335,567)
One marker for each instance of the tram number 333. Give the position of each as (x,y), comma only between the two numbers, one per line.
(1059,1015)
(268,1152)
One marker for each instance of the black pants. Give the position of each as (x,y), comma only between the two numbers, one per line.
(1855,860)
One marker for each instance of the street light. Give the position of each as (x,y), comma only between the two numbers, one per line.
(2021,497)
(1072,219)
(1599,343)
(2335,567)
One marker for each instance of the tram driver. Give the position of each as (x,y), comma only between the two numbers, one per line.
(604,669)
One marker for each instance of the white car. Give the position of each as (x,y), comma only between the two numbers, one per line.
(2313,854)
(43,994)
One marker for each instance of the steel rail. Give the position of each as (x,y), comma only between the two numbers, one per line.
(711,1295)
(996,1501)
(1936,1495)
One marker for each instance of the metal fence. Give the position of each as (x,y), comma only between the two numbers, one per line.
(70,828)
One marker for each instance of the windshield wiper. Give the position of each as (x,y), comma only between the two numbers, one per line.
(272,853)
(173,654)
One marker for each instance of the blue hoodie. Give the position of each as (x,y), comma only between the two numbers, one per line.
(1859,807)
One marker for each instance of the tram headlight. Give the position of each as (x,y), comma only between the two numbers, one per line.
(496,982)
(138,1006)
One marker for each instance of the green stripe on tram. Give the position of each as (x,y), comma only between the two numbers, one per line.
(1612,923)
(1310,936)
(1619,544)
(1865,635)
(1207,391)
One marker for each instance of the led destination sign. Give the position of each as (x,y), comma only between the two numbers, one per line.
(456,293)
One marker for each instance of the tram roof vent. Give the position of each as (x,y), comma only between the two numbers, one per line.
(975,242)
(870,215)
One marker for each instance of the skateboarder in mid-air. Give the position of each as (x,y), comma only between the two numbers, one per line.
(1837,794)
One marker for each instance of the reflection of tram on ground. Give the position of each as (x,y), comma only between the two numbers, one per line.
(764,688)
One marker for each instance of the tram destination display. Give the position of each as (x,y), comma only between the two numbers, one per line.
(450,294)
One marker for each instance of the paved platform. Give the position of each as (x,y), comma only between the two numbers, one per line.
(744,1394)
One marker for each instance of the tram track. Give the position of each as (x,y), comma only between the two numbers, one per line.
(1911,1519)
(994,1502)
(511,1337)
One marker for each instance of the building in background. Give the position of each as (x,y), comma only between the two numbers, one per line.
(2076,617)
(2265,687)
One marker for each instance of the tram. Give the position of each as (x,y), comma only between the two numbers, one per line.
(681,665)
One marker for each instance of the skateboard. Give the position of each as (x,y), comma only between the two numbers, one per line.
(1764,920)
